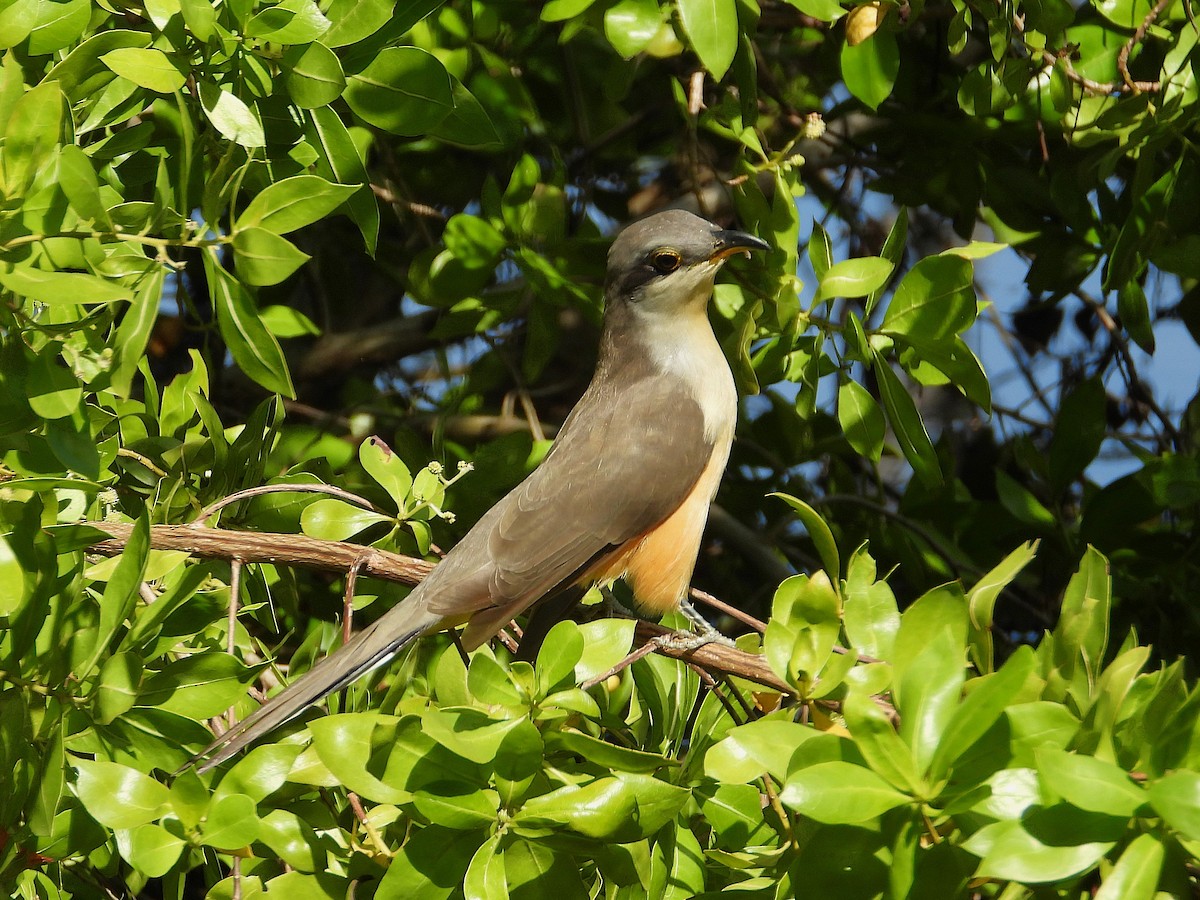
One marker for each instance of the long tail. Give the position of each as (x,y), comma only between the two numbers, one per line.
(372,647)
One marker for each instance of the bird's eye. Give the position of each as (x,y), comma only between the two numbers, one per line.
(665,261)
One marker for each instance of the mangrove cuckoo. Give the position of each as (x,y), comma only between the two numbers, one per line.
(624,491)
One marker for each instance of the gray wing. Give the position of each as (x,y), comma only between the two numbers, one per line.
(626,458)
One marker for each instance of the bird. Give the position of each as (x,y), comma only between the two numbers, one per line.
(623,492)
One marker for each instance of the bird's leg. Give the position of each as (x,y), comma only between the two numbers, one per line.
(707,634)
(615,606)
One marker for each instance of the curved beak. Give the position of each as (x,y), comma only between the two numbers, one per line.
(730,243)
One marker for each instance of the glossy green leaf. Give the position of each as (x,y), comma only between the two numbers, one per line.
(293,203)
(335,520)
(870,615)
(839,793)
(869,69)
(31,134)
(254,348)
(196,687)
(354,20)
(605,643)
(623,808)
(980,710)
(468,124)
(1089,783)
(147,68)
(430,865)
(630,25)
(53,390)
(485,878)
(875,736)
(58,25)
(313,75)
(906,423)
(819,532)
(118,796)
(711,27)
(853,278)
(288,22)
(934,299)
(78,178)
(861,420)
(1136,874)
(117,691)
(1045,845)
(559,654)
(339,161)
(1176,797)
(151,849)
(61,288)
(264,258)
(230,115)
(232,822)
(404,90)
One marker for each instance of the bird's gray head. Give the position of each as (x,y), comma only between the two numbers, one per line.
(668,261)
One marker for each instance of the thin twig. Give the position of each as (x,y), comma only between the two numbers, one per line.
(338,492)
(1136,38)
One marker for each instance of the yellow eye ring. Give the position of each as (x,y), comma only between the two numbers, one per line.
(665,260)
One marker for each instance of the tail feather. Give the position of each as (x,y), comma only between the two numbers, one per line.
(370,648)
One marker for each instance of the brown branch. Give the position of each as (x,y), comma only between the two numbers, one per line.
(265,547)
(1136,38)
(340,556)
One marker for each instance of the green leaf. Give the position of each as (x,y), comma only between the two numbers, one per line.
(340,162)
(60,288)
(430,865)
(330,519)
(147,68)
(870,614)
(602,753)
(117,796)
(1176,797)
(935,299)
(254,348)
(461,809)
(388,469)
(820,251)
(906,423)
(151,849)
(980,710)
(200,17)
(231,116)
(861,420)
(839,793)
(624,808)
(853,278)
(1089,783)
(1136,874)
(873,734)
(468,124)
(346,743)
(354,20)
(121,593)
(77,176)
(117,690)
(804,625)
(197,687)
(262,257)
(231,823)
(711,27)
(560,652)
(292,203)
(485,878)
(825,10)
(404,90)
(869,69)
(58,25)
(289,22)
(1134,310)
(605,643)
(133,334)
(313,75)
(53,390)
(1045,845)
(1081,636)
(293,840)
(1078,432)
(630,25)
(819,531)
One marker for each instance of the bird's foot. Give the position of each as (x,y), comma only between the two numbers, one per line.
(706,633)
